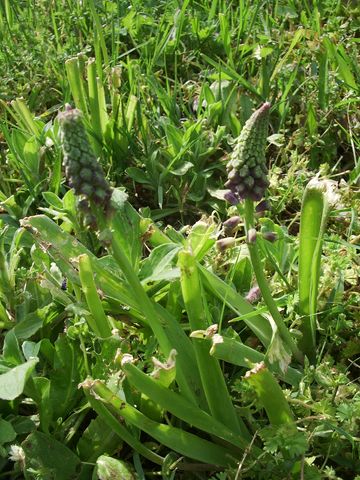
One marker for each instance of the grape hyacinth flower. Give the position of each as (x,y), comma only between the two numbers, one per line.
(82,169)
(247,171)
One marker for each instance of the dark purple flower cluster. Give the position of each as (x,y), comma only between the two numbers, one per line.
(247,171)
(82,169)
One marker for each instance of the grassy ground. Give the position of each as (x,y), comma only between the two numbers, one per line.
(165,89)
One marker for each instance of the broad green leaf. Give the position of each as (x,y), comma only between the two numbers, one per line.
(12,383)
(32,157)
(180,406)
(7,432)
(315,209)
(65,377)
(121,430)
(175,438)
(258,324)
(53,200)
(98,438)
(181,169)
(109,468)
(160,264)
(34,321)
(44,452)
(11,349)
(235,352)
(270,394)
(212,378)
(138,175)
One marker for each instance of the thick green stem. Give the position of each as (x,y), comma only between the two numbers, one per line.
(144,303)
(98,321)
(264,286)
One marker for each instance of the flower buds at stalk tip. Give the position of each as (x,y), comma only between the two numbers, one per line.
(230,197)
(225,243)
(247,171)
(232,222)
(251,236)
(82,169)
(270,236)
(262,206)
(253,294)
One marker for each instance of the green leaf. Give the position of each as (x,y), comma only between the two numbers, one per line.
(97,439)
(175,438)
(180,406)
(53,200)
(160,264)
(65,377)
(11,351)
(314,213)
(138,175)
(235,352)
(7,432)
(12,383)
(32,158)
(182,169)
(258,324)
(109,468)
(34,321)
(47,454)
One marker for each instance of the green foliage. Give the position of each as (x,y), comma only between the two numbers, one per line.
(126,347)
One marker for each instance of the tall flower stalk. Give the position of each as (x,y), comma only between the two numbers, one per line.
(247,180)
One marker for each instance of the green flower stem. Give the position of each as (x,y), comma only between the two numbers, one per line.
(97,321)
(264,286)
(169,334)
(144,302)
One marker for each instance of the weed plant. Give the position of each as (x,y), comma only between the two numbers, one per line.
(152,325)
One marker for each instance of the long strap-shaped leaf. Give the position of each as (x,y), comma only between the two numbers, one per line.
(121,430)
(212,377)
(314,213)
(258,324)
(232,351)
(64,249)
(180,406)
(175,438)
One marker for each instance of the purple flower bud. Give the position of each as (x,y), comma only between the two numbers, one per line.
(251,236)
(253,295)
(231,198)
(225,243)
(262,206)
(232,222)
(270,236)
